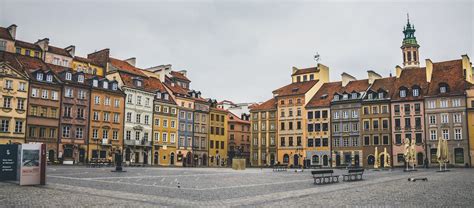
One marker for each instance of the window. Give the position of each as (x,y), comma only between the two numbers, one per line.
(457,118)
(116,103)
(115,135)
(366,140)
(336,128)
(67,111)
(116,118)
(366,110)
(366,125)
(418,138)
(22,86)
(80,78)
(106,116)
(403,93)
(384,109)
(433,134)
(105,85)
(375,124)
(20,104)
(444,118)
(406,108)
(376,140)
(432,104)
(39,76)
(18,126)
(442,89)
(66,131)
(4,127)
(398,139)
(96,116)
(165,137)
(105,134)
(385,139)
(407,123)
(432,119)
(336,115)
(396,108)
(129,98)
(79,133)
(68,76)
(345,114)
(172,138)
(128,135)
(456,102)
(7,102)
(444,103)
(82,94)
(385,124)
(137,135)
(129,117)
(416,92)
(138,118)
(139,100)
(44,94)
(114,86)
(165,123)
(457,134)
(8,84)
(54,95)
(375,109)
(445,133)
(147,117)
(107,101)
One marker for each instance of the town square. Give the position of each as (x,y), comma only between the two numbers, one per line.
(236,103)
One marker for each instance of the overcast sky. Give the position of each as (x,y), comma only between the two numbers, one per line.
(242,50)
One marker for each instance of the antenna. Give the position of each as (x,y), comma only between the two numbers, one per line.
(317,57)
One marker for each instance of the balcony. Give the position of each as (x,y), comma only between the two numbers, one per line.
(138,142)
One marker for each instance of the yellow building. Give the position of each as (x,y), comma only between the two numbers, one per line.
(87,66)
(13,100)
(470,121)
(217,136)
(28,49)
(165,126)
(291,101)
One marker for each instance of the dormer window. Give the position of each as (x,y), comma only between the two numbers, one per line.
(354,95)
(95,83)
(166,96)
(416,92)
(49,78)
(381,95)
(80,78)
(138,83)
(39,76)
(345,96)
(68,76)
(158,95)
(105,85)
(442,89)
(336,97)
(114,86)
(370,96)
(403,93)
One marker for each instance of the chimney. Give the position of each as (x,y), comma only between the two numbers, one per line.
(346,78)
(373,76)
(183,72)
(294,70)
(43,44)
(398,71)
(12,30)
(71,50)
(101,57)
(132,61)
(429,70)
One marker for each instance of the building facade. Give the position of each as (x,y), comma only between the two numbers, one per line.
(217,136)
(106,119)
(318,115)
(345,121)
(239,137)
(13,101)
(201,129)
(74,116)
(263,148)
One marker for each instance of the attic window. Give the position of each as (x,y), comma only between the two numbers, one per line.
(68,76)
(370,96)
(324,96)
(114,86)
(381,95)
(336,97)
(95,83)
(166,96)
(49,78)
(443,89)
(345,96)
(158,95)
(39,76)
(105,85)
(403,93)
(294,90)
(354,95)
(138,83)
(80,78)
(416,92)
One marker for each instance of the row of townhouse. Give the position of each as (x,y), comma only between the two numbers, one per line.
(91,108)
(352,122)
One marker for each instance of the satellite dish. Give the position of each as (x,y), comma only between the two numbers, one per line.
(317,57)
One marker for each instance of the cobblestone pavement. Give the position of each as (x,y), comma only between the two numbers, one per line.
(212,187)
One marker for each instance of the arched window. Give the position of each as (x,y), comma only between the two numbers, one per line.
(370,160)
(416,91)
(286,158)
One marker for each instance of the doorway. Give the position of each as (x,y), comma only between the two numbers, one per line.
(156,158)
(82,155)
(172,158)
(296,160)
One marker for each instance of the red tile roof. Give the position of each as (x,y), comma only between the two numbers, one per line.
(237,119)
(386,84)
(450,73)
(296,88)
(126,67)
(176,89)
(59,51)
(23,44)
(306,70)
(410,77)
(267,105)
(4,34)
(356,85)
(179,76)
(324,95)
(10,59)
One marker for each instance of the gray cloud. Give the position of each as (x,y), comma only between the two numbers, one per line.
(242,50)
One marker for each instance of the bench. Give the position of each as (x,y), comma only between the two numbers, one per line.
(279,168)
(353,175)
(324,176)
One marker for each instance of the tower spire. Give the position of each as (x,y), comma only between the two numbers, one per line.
(410,46)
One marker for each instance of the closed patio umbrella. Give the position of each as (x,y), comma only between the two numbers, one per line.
(385,157)
(376,162)
(439,153)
